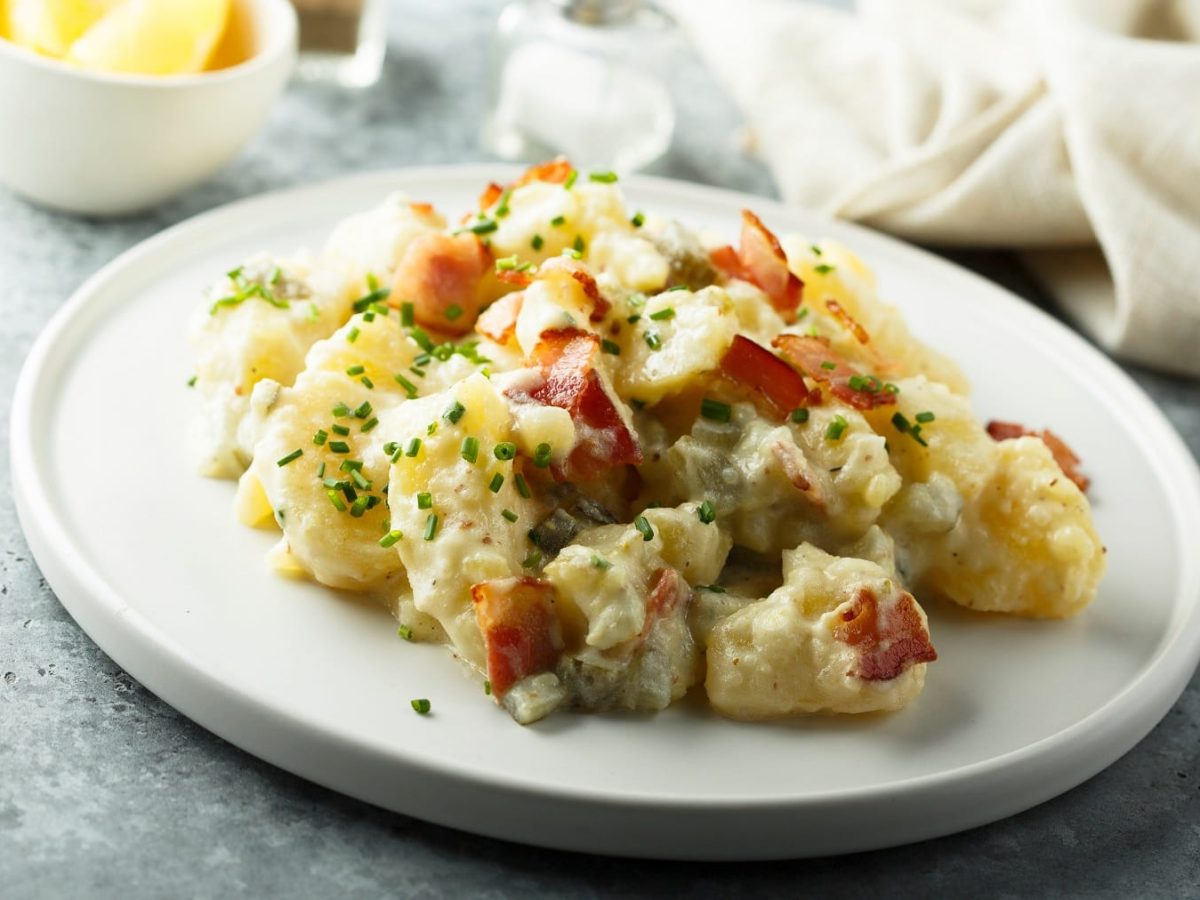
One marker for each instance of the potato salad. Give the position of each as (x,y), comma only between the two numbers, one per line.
(607,460)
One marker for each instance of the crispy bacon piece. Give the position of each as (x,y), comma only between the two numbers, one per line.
(668,594)
(772,381)
(499,321)
(571,382)
(815,358)
(490,195)
(1059,449)
(600,306)
(725,258)
(798,471)
(764,259)
(522,634)
(422,209)
(889,639)
(847,320)
(515,278)
(556,171)
(438,272)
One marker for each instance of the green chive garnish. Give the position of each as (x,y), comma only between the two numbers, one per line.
(404,631)
(578,245)
(836,428)
(653,341)
(431,526)
(643,526)
(367,382)
(469,449)
(369,424)
(603,177)
(902,424)
(390,448)
(505,450)
(352,334)
(638,220)
(320,437)
(496,483)
(341,411)
(294,455)
(824,268)
(509,514)
(407,315)
(667,312)
(487,687)
(191,382)
(409,387)
(343,430)
(421,706)
(532,561)
(414,447)
(800,415)
(359,506)
(706,513)
(612,347)
(336,499)
(537,242)
(454,412)
(485,227)
(363,410)
(522,486)
(570,182)
(339,446)
(558,221)
(424,500)
(453,312)
(355,370)
(925,417)
(541,455)
(715,410)
(502,206)
(828,365)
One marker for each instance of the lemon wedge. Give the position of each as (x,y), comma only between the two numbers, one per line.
(153,37)
(51,26)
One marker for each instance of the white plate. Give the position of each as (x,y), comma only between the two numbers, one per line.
(149,560)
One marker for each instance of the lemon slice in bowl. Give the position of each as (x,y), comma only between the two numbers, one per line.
(153,37)
(51,26)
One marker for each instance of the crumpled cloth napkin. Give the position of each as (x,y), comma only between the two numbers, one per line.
(1067,129)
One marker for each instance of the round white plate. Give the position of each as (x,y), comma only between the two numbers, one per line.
(147,557)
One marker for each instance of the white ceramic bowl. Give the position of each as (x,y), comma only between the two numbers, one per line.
(102,144)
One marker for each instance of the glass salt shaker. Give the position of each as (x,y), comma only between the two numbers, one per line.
(582,78)
(342,41)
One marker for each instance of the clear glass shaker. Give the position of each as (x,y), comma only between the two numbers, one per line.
(581,78)
(343,41)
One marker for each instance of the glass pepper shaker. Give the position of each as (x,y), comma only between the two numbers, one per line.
(343,41)
(583,78)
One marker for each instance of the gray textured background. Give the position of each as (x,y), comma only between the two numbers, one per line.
(105,791)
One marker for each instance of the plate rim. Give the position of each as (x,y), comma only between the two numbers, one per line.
(1102,736)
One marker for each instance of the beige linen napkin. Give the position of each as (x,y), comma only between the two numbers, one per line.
(1069,129)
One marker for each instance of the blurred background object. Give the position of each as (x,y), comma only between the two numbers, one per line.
(583,78)
(343,41)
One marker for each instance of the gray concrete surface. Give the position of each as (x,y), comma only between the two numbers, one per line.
(105,791)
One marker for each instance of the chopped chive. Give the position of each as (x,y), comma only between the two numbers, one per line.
(424,500)
(367,383)
(824,268)
(454,412)
(558,221)
(351,465)
(715,410)
(339,446)
(603,177)
(712,588)
(343,430)
(706,513)
(352,335)
(828,365)
(485,227)
(505,450)
(364,303)
(421,706)
(571,179)
(522,486)
(634,319)
(453,312)
(320,437)
(407,314)
(359,506)
(578,245)
(355,370)
(341,411)
(815,249)
(487,687)
(369,424)
(294,455)
(902,424)
(363,410)
(536,242)
(469,450)
(541,455)
(314,312)
(638,220)
(532,561)
(924,417)
(653,341)
(857,383)
(664,314)
(800,415)
(390,448)
(191,382)
(420,373)
(891,388)
(421,339)
(502,206)
(678,287)
(404,631)
(360,479)
(836,428)
(321,469)
(431,527)
(413,448)
(611,347)
(509,514)
(599,562)
(336,499)
(802,313)
(643,526)
(496,483)
(431,429)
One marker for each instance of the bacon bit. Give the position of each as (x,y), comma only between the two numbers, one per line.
(422,209)
(514,277)
(438,271)
(889,640)
(848,321)
(600,306)
(571,382)
(556,171)
(763,257)
(726,260)
(490,195)
(808,353)
(499,321)
(1059,449)
(669,594)
(798,471)
(518,618)
(773,382)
